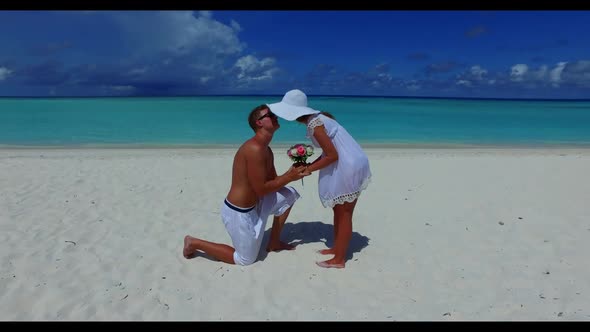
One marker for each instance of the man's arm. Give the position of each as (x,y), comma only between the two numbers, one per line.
(257,171)
(273,171)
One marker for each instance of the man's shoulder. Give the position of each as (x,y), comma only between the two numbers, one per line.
(251,146)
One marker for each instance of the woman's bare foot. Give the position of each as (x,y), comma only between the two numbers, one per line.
(281,246)
(330,264)
(187,252)
(329,251)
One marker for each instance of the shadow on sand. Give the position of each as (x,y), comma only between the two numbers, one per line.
(304,232)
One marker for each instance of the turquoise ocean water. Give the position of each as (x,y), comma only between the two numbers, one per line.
(222,120)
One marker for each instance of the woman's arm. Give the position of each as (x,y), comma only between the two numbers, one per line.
(315,161)
(330,154)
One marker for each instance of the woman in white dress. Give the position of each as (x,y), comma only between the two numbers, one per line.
(343,165)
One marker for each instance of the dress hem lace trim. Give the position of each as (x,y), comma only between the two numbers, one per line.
(346,198)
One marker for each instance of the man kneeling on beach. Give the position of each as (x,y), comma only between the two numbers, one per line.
(256,192)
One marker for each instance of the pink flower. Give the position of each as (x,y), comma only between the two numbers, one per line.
(299,152)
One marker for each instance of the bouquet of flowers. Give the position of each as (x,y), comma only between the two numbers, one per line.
(299,154)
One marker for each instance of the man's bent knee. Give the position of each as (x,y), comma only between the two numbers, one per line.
(244,259)
(290,193)
(290,196)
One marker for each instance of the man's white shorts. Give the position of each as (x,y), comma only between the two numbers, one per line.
(246,229)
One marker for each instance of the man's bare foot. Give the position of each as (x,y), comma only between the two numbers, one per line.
(187,252)
(281,246)
(329,251)
(330,264)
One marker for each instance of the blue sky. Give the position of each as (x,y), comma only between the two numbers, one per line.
(480,54)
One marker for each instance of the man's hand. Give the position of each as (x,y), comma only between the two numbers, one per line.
(305,171)
(296,173)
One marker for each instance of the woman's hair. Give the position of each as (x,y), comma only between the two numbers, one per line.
(303,117)
(328,115)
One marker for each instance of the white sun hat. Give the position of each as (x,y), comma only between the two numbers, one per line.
(293,105)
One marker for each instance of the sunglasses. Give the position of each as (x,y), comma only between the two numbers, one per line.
(268,114)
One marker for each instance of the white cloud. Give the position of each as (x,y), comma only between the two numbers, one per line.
(205,13)
(555,75)
(412,85)
(207,50)
(532,78)
(4,73)
(235,25)
(475,75)
(250,63)
(137,71)
(250,69)
(478,72)
(184,40)
(178,32)
(518,71)
(540,74)
(575,73)
(382,80)
(464,82)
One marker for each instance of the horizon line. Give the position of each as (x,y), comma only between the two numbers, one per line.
(309,95)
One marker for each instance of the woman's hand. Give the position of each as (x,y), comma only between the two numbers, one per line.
(305,172)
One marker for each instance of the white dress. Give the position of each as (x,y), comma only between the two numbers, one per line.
(343,180)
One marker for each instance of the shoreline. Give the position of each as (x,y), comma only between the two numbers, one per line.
(368,146)
(373,152)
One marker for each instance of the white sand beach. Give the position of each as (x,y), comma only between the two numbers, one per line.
(439,235)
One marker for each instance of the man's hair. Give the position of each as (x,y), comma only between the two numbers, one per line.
(255,114)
